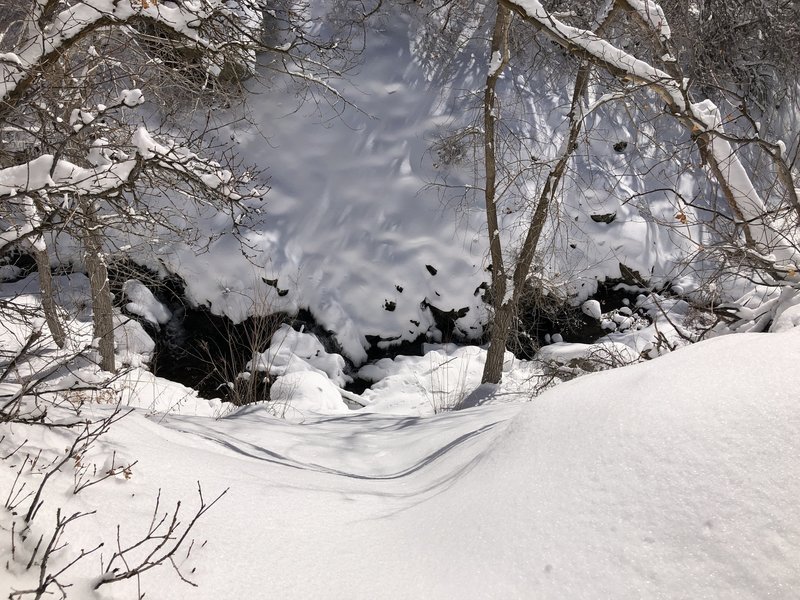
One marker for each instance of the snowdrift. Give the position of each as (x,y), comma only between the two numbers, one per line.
(676,478)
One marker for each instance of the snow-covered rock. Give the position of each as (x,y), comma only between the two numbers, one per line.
(300,395)
(293,351)
(592,309)
(143,303)
(133,346)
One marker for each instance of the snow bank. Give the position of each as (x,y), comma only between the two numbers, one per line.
(675,478)
(293,351)
(441,380)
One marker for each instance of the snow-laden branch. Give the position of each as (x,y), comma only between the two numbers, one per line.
(47,41)
(48,176)
(62,176)
(31,221)
(702,118)
(46,173)
(600,51)
(652,14)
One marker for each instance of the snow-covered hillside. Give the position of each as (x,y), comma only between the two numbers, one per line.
(354,230)
(675,478)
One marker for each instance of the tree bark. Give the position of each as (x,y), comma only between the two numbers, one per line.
(48,298)
(102,299)
(501,329)
(501,321)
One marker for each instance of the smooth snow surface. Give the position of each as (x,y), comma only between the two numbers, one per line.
(297,395)
(675,478)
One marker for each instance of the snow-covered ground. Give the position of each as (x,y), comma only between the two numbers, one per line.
(675,478)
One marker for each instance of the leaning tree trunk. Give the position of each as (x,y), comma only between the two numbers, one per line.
(48,298)
(102,299)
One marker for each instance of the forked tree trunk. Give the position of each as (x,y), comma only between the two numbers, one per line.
(48,298)
(102,299)
(504,303)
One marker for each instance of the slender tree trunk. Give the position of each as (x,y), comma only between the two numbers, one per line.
(102,299)
(503,303)
(501,321)
(48,298)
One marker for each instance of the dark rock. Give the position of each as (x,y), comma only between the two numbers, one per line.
(274,283)
(632,277)
(446,320)
(604,218)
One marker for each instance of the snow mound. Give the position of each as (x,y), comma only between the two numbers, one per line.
(673,478)
(142,303)
(293,351)
(301,394)
(139,388)
(443,379)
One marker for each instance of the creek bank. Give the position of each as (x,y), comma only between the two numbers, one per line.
(206,351)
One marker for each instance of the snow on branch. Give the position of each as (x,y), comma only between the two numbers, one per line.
(601,51)
(31,222)
(702,118)
(653,15)
(72,24)
(48,176)
(57,176)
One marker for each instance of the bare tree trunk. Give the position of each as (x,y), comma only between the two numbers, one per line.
(501,320)
(48,298)
(504,306)
(503,303)
(501,329)
(102,299)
